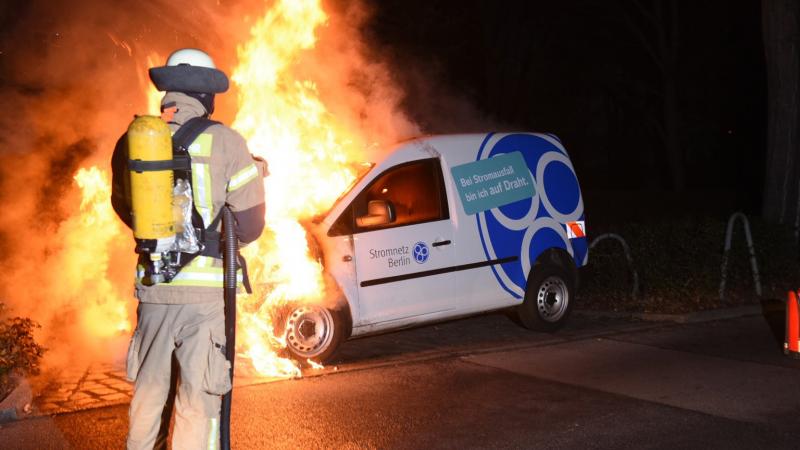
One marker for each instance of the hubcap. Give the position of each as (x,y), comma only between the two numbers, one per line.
(552,299)
(309,330)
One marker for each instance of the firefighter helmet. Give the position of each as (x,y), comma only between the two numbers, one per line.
(192,57)
(189,70)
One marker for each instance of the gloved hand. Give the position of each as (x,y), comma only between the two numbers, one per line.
(263,166)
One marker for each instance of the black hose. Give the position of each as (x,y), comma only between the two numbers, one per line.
(229,260)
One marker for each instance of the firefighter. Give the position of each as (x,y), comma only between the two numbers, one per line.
(183,320)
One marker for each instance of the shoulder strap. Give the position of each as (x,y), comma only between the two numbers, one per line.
(183,138)
(189,131)
(182,161)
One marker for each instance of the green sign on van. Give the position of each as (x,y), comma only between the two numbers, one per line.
(496,181)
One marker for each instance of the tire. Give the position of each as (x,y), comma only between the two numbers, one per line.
(314,332)
(548,298)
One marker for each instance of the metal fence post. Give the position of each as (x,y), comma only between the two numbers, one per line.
(628,257)
(750,248)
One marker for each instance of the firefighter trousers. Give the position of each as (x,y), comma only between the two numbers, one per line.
(195,335)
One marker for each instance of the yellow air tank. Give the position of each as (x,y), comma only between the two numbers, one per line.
(150,142)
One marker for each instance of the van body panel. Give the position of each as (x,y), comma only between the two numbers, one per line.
(492,242)
(405,283)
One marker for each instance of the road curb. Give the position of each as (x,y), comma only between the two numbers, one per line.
(693,317)
(18,403)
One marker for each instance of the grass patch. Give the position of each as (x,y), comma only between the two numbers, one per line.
(679,266)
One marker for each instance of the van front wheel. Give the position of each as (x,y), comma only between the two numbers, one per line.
(313,333)
(548,298)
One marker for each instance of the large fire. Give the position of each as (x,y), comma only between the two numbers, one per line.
(284,120)
(310,154)
(106,315)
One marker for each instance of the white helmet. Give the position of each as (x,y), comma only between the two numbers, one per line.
(192,57)
(189,70)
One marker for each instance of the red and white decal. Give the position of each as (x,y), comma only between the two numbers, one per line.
(576,229)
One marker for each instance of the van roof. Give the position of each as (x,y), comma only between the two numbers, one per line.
(445,145)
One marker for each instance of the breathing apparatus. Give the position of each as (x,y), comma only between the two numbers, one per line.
(154,224)
(168,230)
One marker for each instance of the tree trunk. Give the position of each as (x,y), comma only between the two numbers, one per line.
(669,43)
(781,183)
(672,141)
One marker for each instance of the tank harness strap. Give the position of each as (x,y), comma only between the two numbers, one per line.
(182,159)
(245,277)
(182,167)
(214,247)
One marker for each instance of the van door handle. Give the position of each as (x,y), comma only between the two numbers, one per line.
(347,258)
(440,243)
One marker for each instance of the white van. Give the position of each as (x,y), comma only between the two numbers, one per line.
(444,227)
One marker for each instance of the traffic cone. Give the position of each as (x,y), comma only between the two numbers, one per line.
(791,347)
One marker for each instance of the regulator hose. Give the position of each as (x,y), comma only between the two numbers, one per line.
(230,263)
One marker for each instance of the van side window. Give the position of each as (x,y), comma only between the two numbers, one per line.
(407,194)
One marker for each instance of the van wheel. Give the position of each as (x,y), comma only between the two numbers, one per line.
(313,332)
(548,298)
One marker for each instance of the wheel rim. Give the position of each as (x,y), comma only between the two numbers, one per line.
(309,330)
(552,299)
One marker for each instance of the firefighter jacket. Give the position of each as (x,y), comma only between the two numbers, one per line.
(223,172)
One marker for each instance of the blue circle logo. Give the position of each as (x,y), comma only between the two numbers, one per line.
(421,252)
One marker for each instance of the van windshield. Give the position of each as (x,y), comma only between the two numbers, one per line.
(361,170)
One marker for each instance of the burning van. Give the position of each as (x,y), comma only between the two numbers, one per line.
(444,227)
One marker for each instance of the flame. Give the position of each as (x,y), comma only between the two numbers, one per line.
(310,151)
(285,121)
(314,365)
(153,95)
(83,269)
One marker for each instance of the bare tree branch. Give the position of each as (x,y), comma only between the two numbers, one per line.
(638,32)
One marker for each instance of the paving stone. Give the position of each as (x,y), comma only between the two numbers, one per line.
(49,406)
(117,396)
(103,391)
(85,401)
(122,389)
(73,373)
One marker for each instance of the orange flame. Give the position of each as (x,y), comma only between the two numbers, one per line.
(284,120)
(153,95)
(310,151)
(103,310)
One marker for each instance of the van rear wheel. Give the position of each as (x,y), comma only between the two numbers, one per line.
(313,333)
(548,298)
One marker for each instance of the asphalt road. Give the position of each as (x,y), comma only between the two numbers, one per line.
(484,383)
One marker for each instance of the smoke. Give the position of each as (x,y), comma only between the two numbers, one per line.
(390,96)
(371,99)
(73,75)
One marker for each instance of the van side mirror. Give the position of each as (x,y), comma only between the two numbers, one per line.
(379,212)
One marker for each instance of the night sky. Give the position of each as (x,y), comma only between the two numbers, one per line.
(580,70)
(589,71)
